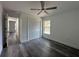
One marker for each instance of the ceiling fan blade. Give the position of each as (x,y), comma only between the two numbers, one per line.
(45,11)
(42,5)
(34,9)
(51,8)
(39,12)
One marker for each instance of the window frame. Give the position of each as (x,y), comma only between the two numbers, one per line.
(44,27)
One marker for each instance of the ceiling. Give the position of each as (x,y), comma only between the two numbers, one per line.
(25,6)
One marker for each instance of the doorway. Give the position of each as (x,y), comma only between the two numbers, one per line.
(12,31)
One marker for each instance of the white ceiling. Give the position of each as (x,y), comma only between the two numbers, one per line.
(25,6)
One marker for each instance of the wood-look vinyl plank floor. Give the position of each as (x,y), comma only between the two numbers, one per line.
(39,48)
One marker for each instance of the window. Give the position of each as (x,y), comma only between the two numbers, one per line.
(46,25)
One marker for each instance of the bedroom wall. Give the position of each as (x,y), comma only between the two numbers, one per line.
(1,46)
(65,28)
(30,27)
(23,27)
(34,27)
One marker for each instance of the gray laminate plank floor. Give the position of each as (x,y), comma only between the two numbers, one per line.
(38,48)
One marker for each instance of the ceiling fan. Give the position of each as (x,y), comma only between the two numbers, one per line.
(43,9)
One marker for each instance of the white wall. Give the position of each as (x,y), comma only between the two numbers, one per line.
(23,27)
(1,46)
(34,27)
(65,28)
(30,27)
